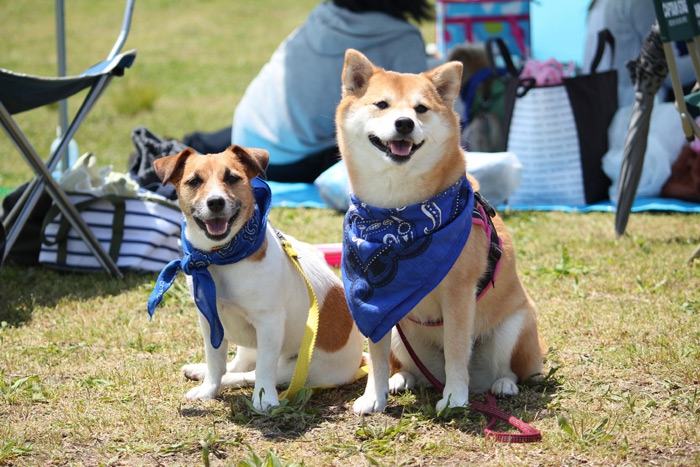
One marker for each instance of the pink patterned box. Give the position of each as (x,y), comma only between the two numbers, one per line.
(475,21)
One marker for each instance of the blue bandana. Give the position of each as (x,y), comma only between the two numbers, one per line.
(196,262)
(393,258)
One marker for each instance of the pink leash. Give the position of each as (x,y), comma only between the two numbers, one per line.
(528,434)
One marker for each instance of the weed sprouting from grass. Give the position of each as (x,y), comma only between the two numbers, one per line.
(20,389)
(381,440)
(11,449)
(691,307)
(566,267)
(642,245)
(211,444)
(141,346)
(93,382)
(649,287)
(578,429)
(288,415)
(271,460)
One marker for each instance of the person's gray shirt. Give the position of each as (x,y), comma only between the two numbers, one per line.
(289,108)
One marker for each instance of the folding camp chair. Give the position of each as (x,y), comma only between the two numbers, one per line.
(679,21)
(20,92)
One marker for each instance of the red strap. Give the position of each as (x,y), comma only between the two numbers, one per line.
(528,434)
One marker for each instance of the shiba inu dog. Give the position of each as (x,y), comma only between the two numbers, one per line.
(246,287)
(421,255)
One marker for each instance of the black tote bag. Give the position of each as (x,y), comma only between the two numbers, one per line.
(560,134)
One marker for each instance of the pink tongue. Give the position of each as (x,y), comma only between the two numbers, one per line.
(217,226)
(400,148)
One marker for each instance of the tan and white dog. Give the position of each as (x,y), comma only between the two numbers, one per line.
(262,300)
(400,139)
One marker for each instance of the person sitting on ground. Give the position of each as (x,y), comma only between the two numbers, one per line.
(289,106)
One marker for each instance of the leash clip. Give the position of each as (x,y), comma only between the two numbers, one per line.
(286,245)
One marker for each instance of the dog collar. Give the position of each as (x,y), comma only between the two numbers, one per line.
(393,258)
(195,262)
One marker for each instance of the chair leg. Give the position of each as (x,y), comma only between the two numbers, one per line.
(56,193)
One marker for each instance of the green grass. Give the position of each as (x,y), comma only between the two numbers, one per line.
(86,379)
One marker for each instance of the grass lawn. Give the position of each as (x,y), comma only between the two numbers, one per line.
(86,379)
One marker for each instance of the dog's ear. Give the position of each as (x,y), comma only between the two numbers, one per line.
(253,159)
(356,72)
(447,79)
(170,168)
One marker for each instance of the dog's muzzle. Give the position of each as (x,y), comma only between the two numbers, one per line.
(402,147)
(216,222)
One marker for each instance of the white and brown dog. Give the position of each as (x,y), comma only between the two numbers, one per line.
(420,247)
(247,289)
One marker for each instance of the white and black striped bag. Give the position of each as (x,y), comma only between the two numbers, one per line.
(138,234)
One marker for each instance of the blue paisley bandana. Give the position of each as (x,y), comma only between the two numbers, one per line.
(196,262)
(393,258)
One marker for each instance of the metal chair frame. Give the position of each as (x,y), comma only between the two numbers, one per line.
(96,78)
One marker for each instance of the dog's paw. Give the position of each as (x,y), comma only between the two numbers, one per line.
(263,402)
(203,392)
(195,371)
(368,403)
(504,387)
(401,381)
(452,399)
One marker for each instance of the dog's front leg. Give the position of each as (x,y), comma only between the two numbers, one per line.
(377,389)
(270,336)
(457,335)
(216,366)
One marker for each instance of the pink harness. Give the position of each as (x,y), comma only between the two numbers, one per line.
(481,217)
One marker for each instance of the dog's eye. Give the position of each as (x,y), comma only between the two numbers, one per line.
(231,178)
(381,105)
(421,109)
(194,182)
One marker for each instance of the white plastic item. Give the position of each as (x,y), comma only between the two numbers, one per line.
(72,153)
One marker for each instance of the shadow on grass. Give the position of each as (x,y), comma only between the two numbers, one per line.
(24,288)
(290,420)
(531,404)
(416,406)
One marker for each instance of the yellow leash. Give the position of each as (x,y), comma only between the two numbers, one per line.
(301,370)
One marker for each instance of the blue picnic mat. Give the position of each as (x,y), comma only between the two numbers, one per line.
(291,195)
(640,204)
(306,195)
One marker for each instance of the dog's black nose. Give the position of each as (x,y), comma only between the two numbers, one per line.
(404,125)
(216,204)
